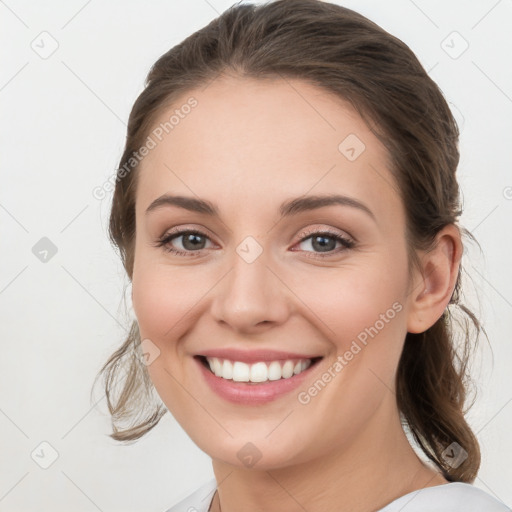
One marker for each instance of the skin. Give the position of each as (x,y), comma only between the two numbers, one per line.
(248,146)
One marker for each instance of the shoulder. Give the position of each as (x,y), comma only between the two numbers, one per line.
(451,497)
(198,501)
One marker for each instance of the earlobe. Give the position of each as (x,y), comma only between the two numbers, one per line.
(439,272)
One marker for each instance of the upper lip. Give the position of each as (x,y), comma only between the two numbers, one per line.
(253,356)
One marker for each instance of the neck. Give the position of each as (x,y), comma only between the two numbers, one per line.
(378,467)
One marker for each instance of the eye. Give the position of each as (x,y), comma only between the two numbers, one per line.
(192,242)
(325,242)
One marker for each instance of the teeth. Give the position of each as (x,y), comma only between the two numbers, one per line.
(287,369)
(226,370)
(257,372)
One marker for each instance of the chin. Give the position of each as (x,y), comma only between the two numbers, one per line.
(256,454)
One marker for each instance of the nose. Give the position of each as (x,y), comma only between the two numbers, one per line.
(251,297)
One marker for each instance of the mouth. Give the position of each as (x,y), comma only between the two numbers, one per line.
(259,372)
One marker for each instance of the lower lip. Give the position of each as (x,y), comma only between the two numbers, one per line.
(249,393)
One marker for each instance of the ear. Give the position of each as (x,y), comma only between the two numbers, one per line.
(434,288)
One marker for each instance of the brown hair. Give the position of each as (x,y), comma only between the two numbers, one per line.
(345,53)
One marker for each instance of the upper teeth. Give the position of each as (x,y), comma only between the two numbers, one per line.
(257,372)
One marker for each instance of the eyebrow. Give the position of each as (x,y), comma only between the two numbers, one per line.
(288,208)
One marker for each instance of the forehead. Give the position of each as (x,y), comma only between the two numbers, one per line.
(248,143)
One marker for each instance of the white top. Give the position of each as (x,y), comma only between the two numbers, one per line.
(450,497)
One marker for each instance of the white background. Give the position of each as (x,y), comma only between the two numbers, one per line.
(62,133)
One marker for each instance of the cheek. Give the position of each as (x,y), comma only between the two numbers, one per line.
(350,301)
(166,302)
(163,297)
(361,311)
(150,303)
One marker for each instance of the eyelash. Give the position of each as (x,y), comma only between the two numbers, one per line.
(164,242)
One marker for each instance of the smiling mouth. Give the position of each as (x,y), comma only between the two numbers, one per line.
(256,373)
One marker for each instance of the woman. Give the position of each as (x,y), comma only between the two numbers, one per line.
(286,209)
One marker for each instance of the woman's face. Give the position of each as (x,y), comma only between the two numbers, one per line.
(263,275)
